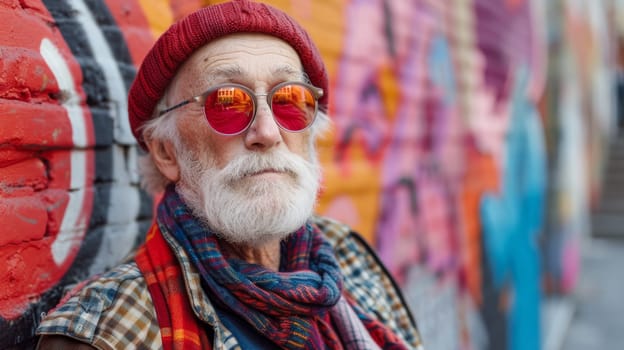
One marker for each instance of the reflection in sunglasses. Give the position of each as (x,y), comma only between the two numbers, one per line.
(225,96)
(283,94)
(230,108)
(231,98)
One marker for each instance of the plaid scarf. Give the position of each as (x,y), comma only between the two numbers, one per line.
(179,328)
(300,307)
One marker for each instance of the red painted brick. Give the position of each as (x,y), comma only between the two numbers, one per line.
(22,219)
(34,125)
(21,32)
(36,139)
(28,266)
(10,156)
(29,269)
(26,76)
(18,28)
(36,8)
(133,24)
(28,175)
(56,202)
(59,168)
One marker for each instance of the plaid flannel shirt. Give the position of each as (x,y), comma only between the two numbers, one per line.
(115,310)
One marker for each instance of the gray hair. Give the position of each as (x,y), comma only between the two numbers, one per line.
(164,128)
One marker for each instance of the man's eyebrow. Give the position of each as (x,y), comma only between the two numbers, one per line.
(230,72)
(227,72)
(287,70)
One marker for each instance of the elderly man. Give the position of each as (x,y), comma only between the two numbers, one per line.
(228,103)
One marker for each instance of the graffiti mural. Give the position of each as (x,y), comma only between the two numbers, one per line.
(454,149)
(69,189)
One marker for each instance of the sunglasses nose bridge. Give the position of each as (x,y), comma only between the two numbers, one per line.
(266,99)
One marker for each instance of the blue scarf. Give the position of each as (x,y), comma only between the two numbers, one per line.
(290,307)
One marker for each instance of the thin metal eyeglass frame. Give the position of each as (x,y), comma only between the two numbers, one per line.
(316,92)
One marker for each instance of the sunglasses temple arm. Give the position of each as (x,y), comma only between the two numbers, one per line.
(183,103)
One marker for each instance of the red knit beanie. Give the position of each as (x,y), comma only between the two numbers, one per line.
(183,38)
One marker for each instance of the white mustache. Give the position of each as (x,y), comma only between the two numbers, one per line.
(254,163)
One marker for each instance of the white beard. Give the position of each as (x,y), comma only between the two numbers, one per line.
(247,210)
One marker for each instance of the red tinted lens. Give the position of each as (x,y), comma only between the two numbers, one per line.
(293,106)
(229,110)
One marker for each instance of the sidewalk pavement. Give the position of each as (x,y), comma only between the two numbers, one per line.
(597,318)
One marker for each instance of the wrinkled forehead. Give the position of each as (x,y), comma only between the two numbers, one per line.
(245,58)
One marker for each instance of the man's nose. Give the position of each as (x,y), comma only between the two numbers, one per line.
(264,133)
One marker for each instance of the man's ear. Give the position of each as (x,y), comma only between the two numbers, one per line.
(164,156)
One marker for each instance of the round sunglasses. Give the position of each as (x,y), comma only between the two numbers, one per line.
(231,108)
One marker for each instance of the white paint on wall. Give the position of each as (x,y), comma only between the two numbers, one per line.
(121,229)
(125,201)
(73,225)
(65,80)
(103,55)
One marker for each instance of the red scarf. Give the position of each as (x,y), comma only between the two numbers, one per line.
(181,329)
(179,326)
